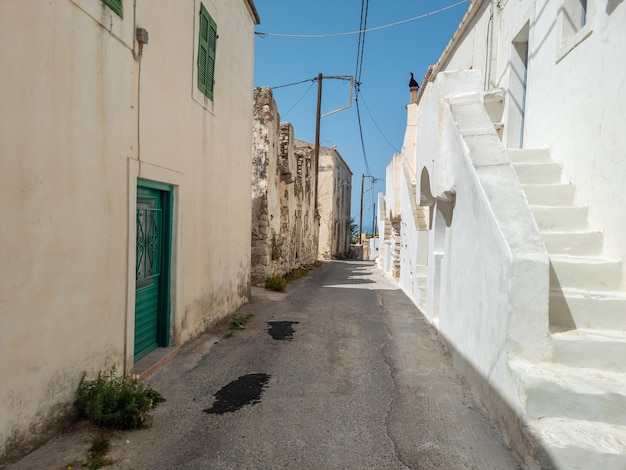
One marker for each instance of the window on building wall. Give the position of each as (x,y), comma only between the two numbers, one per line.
(575,24)
(206,53)
(115,5)
(574,16)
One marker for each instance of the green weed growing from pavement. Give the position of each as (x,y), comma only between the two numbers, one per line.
(96,454)
(279,283)
(237,323)
(296,274)
(113,401)
(276,284)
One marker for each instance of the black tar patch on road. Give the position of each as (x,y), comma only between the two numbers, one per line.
(246,390)
(281,330)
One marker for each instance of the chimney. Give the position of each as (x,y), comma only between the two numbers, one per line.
(414,88)
(414,91)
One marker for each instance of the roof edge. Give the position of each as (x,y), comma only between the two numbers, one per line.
(253,11)
(465,21)
(337,153)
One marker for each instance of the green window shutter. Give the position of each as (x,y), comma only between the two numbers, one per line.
(206,53)
(115,5)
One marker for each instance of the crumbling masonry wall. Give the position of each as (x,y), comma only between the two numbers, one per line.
(284,225)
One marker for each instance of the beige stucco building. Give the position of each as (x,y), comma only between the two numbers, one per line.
(125,157)
(284,222)
(503,219)
(333,201)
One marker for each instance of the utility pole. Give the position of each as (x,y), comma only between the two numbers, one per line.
(361,210)
(318,117)
(374,219)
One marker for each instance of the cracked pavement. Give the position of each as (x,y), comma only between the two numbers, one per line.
(364,383)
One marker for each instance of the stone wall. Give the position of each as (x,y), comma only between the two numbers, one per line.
(284,225)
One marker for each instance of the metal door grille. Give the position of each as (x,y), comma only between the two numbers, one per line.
(148,245)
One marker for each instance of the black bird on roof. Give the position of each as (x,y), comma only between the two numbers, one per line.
(413,83)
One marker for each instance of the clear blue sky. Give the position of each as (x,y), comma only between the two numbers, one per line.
(389,55)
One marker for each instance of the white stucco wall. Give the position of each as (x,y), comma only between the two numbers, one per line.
(487,289)
(64,145)
(208,144)
(80,121)
(575,96)
(413,250)
(487,268)
(586,89)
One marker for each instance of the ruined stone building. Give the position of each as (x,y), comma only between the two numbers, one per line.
(284,222)
(124,191)
(333,201)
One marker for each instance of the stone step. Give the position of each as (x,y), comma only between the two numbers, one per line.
(575,308)
(578,444)
(579,243)
(538,173)
(556,390)
(550,194)
(529,155)
(560,218)
(597,349)
(585,272)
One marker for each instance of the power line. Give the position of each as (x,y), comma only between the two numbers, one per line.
(357,74)
(377,126)
(295,83)
(358,115)
(320,36)
(361,45)
(300,99)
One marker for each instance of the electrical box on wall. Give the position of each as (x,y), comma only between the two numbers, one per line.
(142,35)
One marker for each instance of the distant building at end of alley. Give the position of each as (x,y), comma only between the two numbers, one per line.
(333,202)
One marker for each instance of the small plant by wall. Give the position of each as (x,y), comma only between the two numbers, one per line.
(276,284)
(279,283)
(296,274)
(113,401)
(237,323)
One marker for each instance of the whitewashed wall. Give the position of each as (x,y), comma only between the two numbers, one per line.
(487,285)
(575,96)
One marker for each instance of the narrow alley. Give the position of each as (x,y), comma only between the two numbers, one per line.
(340,372)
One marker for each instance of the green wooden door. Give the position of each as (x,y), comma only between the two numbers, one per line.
(152,275)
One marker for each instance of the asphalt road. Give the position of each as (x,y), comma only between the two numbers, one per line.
(342,372)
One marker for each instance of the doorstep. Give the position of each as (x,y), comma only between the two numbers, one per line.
(153,361)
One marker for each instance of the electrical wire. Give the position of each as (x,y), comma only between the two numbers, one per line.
(300,99)
(360,52)
(361,46)
(295,83)
(377,28)
(358,115)
(377,126)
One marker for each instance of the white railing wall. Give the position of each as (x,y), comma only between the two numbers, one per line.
(488,270)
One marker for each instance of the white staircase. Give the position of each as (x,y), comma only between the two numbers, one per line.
(575,405)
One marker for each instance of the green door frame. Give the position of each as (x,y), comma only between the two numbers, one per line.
(167,203)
